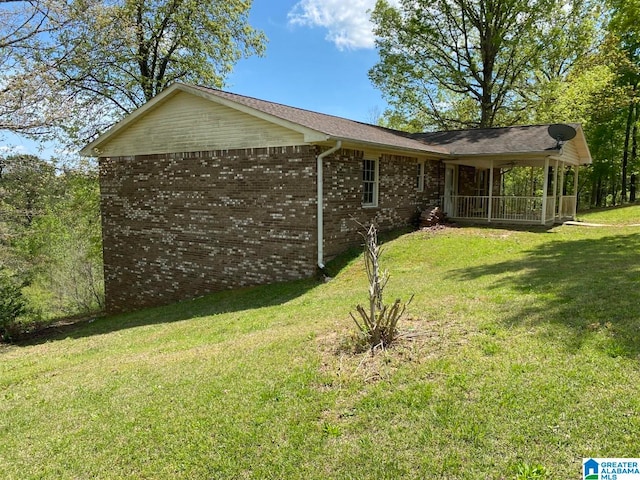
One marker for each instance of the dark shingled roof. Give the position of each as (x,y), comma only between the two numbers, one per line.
(490,141)
(533,139)
(332,126)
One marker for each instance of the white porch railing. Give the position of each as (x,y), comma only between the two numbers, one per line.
(522,209)
(468,206)
(509,208)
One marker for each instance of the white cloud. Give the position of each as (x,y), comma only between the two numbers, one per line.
(13,150)
(347,21)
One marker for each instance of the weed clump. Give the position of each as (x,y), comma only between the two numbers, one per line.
(378,323)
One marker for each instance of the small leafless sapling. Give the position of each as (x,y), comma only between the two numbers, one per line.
(378,323)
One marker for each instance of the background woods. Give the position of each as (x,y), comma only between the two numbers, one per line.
(453,64)
(50,238)
(69,70)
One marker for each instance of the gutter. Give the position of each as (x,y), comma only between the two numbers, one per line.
(320,195)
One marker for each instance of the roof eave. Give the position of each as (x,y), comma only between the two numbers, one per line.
(528,155)
(585,153)
(484,155)
(388,147)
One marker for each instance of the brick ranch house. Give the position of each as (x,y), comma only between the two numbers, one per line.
(203,190)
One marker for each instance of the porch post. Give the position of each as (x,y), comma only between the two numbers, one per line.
(560,212)
(545,190)
(490,203)
(555,188)
(575,190)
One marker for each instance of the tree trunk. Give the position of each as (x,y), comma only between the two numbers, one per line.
(613,181)
(634,152)
(625,153)
(486,111)
(599,191)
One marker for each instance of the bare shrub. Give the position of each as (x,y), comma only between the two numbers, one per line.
(378,324)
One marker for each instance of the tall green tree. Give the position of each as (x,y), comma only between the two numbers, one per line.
(593,94)
(64,247)
(24,26)
(13,304)
(600,90)
(625,26)
(470,63)
(27,186)
(113,56)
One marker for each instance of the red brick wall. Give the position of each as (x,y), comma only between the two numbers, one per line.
(467,182)
(177,226)
(434,184)
(399,202)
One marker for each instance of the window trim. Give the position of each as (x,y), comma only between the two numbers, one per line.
(375,182)
(420,180)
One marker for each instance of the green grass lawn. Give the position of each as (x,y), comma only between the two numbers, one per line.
(520,358)
(624,215)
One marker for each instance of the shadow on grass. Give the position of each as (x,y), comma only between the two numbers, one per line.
(586,285)
(241,299)
(235,300)
(249,298)
(626,206)
(505,226)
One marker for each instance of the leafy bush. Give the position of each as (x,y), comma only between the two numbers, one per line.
(60,240)
(378,324)
(12,304)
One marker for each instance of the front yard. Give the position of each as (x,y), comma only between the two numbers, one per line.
(521,357)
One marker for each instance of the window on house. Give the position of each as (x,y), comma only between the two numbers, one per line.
(420,176)
(370,183)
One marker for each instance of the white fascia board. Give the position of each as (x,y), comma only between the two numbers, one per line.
(583,147)
(484,159)
(384,147)
(316,137)
(517,159)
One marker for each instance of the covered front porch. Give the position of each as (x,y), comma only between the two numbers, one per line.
(527,190)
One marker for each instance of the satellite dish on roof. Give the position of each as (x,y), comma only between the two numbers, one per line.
(561,132)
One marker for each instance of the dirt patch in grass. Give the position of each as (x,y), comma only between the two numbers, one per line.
(344,356)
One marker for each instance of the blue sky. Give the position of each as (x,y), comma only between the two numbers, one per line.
(317,57)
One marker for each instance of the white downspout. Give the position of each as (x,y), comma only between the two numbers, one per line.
(320,214)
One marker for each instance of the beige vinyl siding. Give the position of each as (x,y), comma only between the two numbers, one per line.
(187,123)
(570,153)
